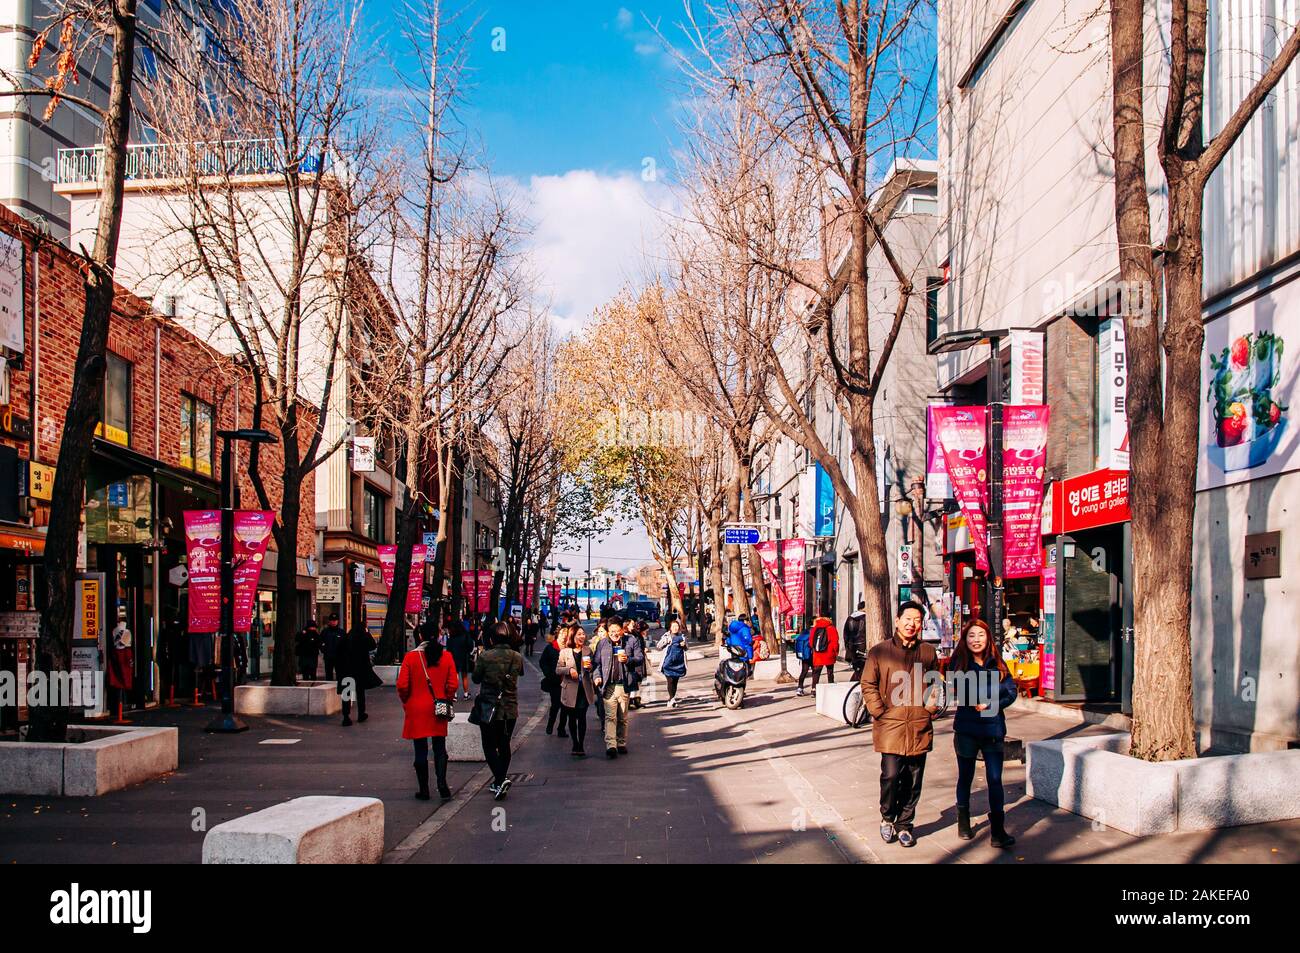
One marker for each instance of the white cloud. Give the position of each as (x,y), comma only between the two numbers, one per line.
(624,18)
(592,235)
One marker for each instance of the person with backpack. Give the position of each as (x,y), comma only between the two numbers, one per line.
(637,630)
(461,645)
(496,708)
(803,652)
(824,643)
(673,665)
(855,640)
(426,686)
(979,731)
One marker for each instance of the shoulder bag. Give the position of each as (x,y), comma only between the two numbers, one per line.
(442,708)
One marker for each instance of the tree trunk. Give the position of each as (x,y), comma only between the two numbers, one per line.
(761,598)
(734,568)
(284,659)
(715,578)
(49,723)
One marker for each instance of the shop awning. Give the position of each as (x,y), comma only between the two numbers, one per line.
(22,538)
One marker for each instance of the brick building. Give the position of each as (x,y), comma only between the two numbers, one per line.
(155,455)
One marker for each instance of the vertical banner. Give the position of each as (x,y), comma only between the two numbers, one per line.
(553,595)
(415,585)
(252,535)
(203,560)
(824,516)
(526,593)
(963,435)
(792,554)
(767,556)
(1112,396)
(937,484)
(1047,670)
(1027,367)
(1024,437)
(477,587)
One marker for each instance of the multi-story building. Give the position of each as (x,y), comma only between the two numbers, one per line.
(786,479)
(1028,242)
(155,455)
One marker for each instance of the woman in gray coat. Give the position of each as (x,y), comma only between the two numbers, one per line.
(576,689)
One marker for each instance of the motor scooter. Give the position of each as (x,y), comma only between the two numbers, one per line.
(730,679)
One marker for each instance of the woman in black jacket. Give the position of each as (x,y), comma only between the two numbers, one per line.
(551,685)
(980,676)
(354,666)
(461,645)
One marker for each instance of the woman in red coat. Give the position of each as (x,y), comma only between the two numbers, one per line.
(823,634)
(427,674)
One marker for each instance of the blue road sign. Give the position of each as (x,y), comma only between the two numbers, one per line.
(117,495)
(743,536)
(431,540)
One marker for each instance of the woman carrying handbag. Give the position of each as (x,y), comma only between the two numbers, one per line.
(576,691)
(426,685)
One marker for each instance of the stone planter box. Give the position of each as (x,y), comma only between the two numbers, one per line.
(388,673)
(95,760)
(769,670)
(305,698)
(830,699)
(1094,777)
(305,830)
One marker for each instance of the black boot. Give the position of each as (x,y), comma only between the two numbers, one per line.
(963,823)
(422,775)
(998,835)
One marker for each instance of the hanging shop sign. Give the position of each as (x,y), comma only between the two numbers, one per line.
(962,434)
(363,454)
(1024,439)
(1027,367)
(905,577)
(1112,396)
(415,583)
(1264,555)
(40,481)
(11,292)
(329,588)
(824,514)
(1099,498)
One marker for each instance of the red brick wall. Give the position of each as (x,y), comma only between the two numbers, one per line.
(137,333)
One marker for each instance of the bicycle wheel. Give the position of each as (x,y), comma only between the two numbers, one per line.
(941,699)
(855,712)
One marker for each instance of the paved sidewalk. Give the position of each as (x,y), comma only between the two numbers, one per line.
(227,776)
(777,782)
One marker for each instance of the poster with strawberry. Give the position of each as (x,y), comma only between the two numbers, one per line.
(1246,427)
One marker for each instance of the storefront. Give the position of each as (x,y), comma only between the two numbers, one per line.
(20,555)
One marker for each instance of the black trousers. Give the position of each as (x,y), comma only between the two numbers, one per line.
(439,757)
(576,718)
(307,669)
(900,788)
(672,686)
(496,746)
(806,666)
(329,671)
(557,710)
(361,704)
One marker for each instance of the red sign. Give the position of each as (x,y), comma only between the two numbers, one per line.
(477,586)
(203,560)
(792,554)
(415,583)
(767,556)
(1099,498)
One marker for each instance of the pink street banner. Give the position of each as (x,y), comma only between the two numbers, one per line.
(203,560)
(767,555)
(415,586)
(252,536)
(477,587)
(792,554)
(526,592)
(553,594)
(963,435)
(1024,441)
(937,485)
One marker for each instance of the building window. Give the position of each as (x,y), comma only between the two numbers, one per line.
(196,435)
(115,420)
(932,287)
(373,515)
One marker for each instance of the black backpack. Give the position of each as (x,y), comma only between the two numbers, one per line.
(821,641)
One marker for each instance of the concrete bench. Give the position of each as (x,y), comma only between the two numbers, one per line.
(307,830)
(830,698)
(305,698)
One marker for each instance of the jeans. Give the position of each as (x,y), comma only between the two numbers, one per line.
(992,748)
(616,700)
(496,746)
(439,757)
(900,788)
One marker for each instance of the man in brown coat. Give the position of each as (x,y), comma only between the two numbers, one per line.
(893,684)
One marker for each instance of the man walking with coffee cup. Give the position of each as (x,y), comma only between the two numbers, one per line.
(615,662)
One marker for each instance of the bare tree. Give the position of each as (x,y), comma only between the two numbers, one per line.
(84,26)
(268,162)
(1164,346)
(827,79)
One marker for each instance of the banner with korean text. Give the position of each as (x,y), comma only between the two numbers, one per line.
(767,554)
(963,435)
(203,560)
(1024,456)
(252,536)
(415,585)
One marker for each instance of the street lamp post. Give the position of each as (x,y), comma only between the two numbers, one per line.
(226,722)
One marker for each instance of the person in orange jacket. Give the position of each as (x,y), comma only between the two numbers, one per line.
(825,643)
(428,674)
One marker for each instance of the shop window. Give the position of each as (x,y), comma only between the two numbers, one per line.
(115,416)
(196,435)
(932,286)
(373,515)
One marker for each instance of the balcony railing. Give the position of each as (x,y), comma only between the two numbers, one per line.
(242,157)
